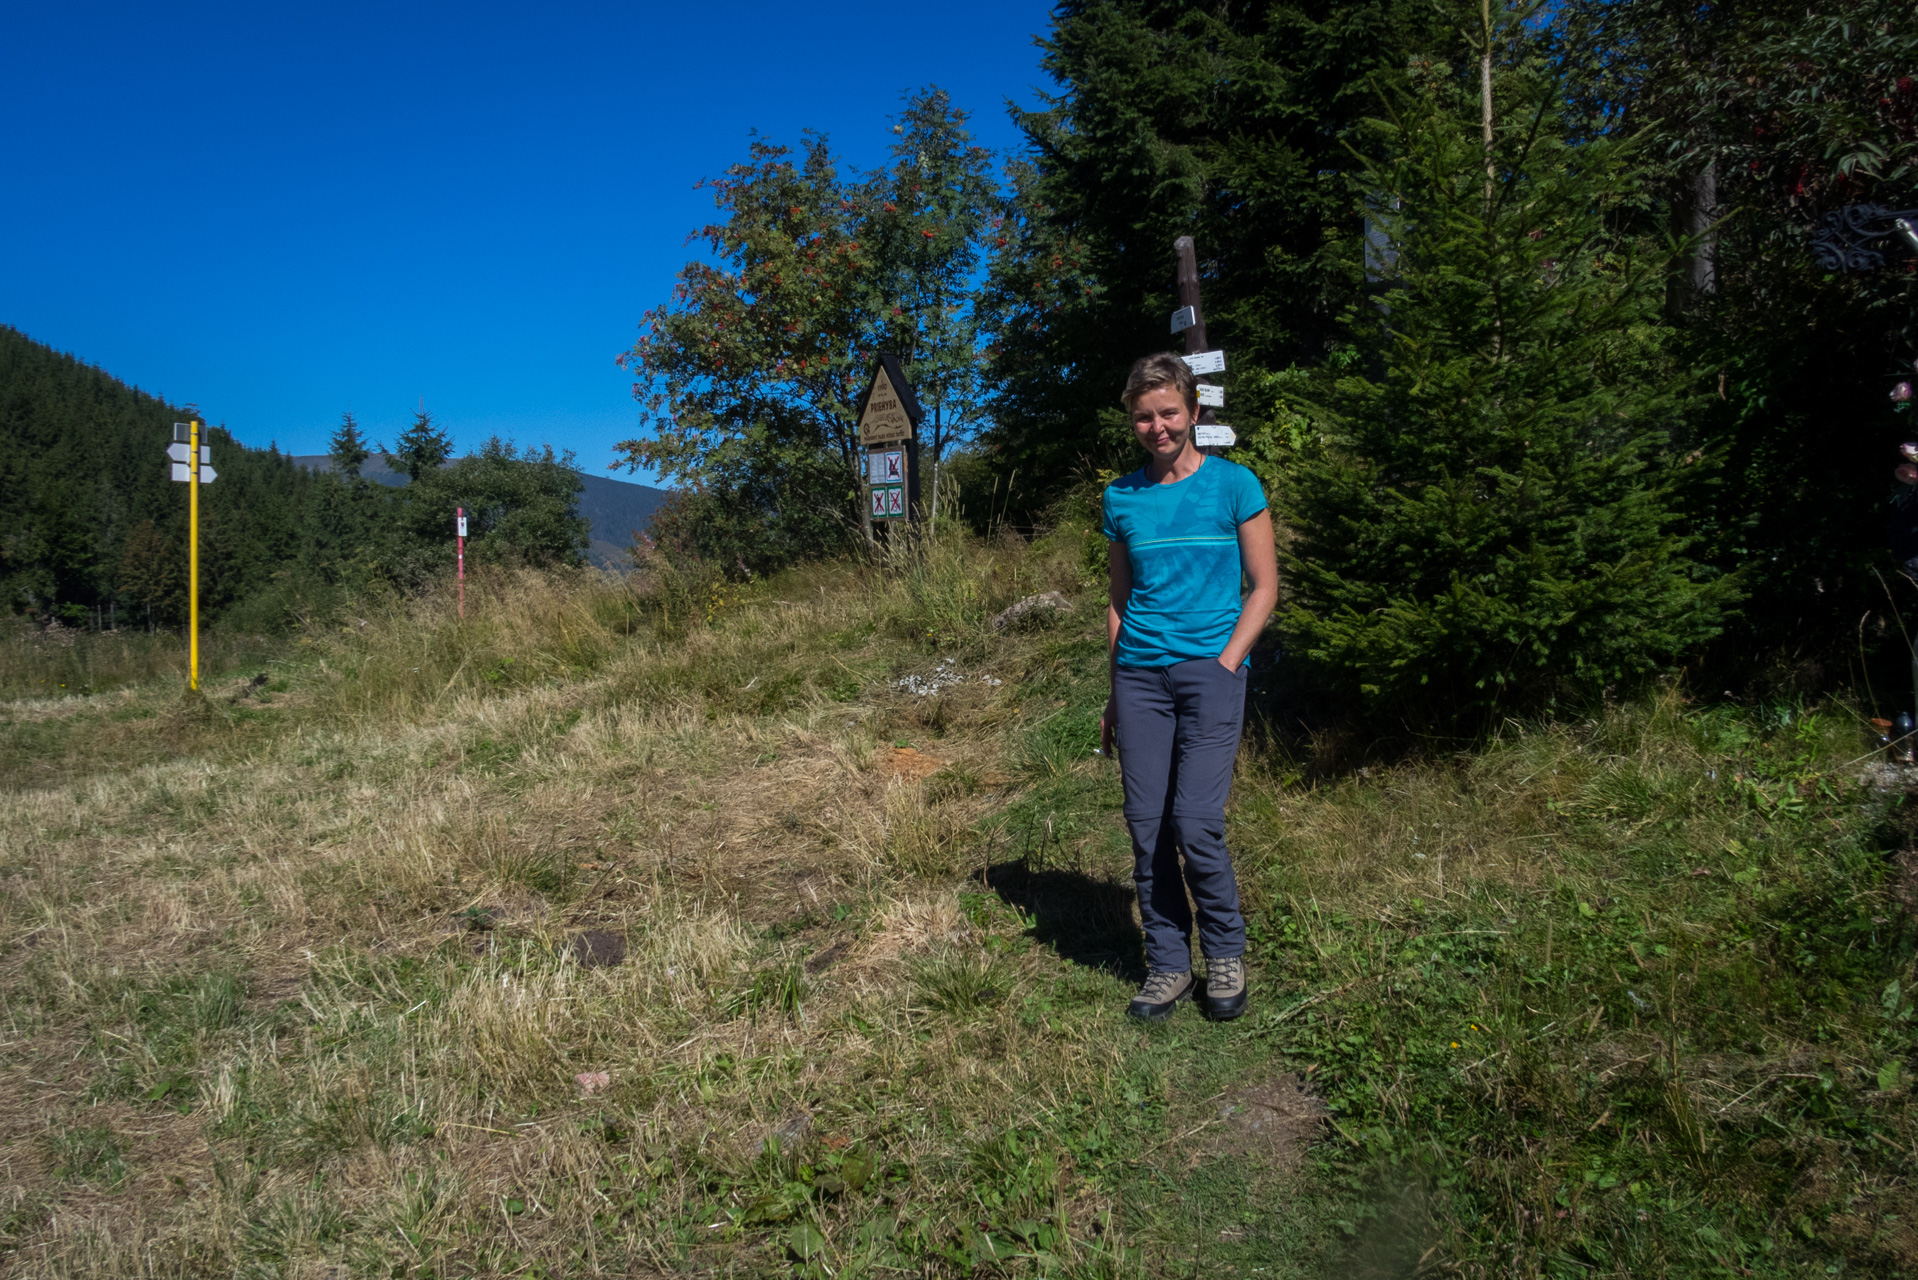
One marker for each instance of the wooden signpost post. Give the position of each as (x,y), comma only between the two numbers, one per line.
(1210,434)
(888,424)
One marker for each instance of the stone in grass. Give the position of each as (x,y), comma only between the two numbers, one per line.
(478,919)
(596,948)
(592,1082)
(1032,609)
(791,1132)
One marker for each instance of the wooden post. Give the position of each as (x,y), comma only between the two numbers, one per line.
(1188,282)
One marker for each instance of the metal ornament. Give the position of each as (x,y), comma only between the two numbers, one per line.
(1848,239)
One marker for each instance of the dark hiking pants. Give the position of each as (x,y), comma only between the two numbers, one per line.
(1178,734)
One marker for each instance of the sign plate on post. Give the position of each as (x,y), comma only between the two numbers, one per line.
(462,524)
(1214,435)
(1205,361)
(888,502)
(886,419)
(887,466)
(180,461)
(1184,318)
(1211,395)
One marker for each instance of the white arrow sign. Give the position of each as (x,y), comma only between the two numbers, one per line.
(1205,362)
(1214,396)
(178,450)
(1209,435)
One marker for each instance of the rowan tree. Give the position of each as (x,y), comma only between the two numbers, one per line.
(750,376)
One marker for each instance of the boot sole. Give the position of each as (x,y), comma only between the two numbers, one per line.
(1226,1010)
(1158,1013)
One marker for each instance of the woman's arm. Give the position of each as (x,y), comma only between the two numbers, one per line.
(1118,595)
(1261,562)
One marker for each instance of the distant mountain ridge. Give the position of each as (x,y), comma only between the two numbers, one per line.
(616,510)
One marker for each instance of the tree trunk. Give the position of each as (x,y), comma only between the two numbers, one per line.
(1703,212)
(938,439)
(861,493)
(1485,97)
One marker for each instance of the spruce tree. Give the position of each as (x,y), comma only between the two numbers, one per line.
(421,448)
(1228,123)
(348,447)
(1489,520)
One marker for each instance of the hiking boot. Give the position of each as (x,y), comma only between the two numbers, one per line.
(1224,989)
(1161,995)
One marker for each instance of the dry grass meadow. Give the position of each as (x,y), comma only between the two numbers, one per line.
(663,927)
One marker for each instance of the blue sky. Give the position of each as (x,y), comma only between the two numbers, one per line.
(281,212)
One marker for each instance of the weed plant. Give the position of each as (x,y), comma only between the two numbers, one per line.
(289,987)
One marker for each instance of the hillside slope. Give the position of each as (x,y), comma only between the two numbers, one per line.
(94,530)
(635,928)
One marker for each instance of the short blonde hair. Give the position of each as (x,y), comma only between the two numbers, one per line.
(1162,370)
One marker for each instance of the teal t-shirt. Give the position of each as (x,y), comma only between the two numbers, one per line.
(1183,542)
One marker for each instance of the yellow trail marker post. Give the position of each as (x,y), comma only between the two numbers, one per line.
(192,462)
(193,558)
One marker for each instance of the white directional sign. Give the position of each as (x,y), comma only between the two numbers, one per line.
(1211,395)
(1184,318)
(1214,435)
(1205,362)
(179,453)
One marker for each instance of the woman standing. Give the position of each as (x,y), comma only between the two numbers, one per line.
(1182,529)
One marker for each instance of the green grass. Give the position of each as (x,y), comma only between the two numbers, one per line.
(287,987)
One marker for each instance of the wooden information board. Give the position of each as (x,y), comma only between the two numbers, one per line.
(888,419)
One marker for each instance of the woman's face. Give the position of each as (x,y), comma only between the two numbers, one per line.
(1162,422)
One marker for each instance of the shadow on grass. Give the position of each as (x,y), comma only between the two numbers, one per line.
(1084,918)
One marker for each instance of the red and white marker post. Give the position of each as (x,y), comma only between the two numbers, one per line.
(459,546)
